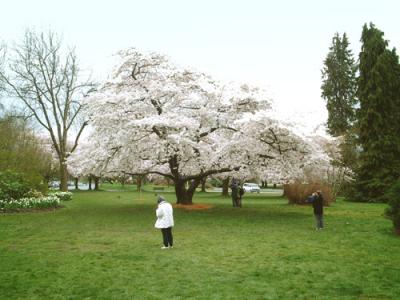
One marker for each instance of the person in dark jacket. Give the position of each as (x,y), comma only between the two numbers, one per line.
(241,193)
(235,192)
(318,205)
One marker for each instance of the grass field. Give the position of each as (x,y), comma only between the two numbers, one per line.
(103,245)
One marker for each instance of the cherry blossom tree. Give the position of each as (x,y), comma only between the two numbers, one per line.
(328,167)
(153,117)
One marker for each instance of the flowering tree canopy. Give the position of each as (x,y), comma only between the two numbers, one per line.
(153,117)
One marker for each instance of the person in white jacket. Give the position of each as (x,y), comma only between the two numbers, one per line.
(165,221)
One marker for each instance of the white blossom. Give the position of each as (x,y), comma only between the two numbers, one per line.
(152,116)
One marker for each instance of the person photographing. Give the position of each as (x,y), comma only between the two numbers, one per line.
(318,205)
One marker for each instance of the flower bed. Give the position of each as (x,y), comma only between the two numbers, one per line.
(26,203)
(63,196)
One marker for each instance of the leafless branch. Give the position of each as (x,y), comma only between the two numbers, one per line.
(48,83)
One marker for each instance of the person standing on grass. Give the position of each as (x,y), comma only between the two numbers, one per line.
(318,205)
(165,221)
(234,193)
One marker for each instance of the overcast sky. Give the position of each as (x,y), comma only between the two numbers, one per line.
(279,45)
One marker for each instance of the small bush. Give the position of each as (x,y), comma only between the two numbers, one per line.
(63,196)
(298,193)
(13,186)
(393,211)
(24,203)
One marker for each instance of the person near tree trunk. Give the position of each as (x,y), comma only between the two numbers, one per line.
(241,193)
(235,192)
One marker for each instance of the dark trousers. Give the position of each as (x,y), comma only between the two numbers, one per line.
(167,236)
(319,221)
(236,201)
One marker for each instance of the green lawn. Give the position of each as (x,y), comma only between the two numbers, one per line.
(103,245)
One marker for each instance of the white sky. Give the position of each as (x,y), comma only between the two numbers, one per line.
(279,45)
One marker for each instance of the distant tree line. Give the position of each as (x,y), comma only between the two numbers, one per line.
(21,151)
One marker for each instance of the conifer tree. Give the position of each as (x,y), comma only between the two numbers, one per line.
(339,86)
(378,117)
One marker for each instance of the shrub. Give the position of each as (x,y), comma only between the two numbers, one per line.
(393,211)
(13,185)
(298,193)
(63,196)
(24,203)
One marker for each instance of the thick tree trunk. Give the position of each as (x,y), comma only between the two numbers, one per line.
(63,178)
(90,182)
(185,195)
(76,183)
(181,193)
(192,187)
(225,187)
(96,183)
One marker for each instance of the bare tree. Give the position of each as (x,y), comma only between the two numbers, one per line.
(46,78)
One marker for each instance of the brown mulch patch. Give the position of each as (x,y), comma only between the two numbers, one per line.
(197,206)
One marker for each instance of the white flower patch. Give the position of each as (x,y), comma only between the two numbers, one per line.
(63,196)
(45,202)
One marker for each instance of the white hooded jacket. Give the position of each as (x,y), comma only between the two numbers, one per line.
(165,215)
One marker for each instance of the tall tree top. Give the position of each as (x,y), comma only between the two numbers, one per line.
(373,45)
(339,85)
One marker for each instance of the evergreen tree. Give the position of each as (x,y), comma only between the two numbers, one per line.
(378,117)
(339,85)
